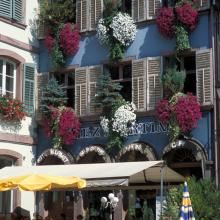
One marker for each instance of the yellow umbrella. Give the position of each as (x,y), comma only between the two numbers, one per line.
(41,182)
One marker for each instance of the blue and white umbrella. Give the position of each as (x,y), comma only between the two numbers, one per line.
(186,212)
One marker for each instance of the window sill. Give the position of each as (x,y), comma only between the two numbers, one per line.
(13,23)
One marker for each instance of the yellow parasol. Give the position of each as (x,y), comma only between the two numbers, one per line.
(41,182)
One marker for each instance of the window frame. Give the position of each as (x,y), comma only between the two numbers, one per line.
(4,76)
(121,79)
(65,86)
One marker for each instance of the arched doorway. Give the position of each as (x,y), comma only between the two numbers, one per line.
(187,157)
(89,204)
(56,204)
(135,201)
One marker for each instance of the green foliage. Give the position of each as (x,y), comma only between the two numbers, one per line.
(205,199)
(57,56)
(173,81)
(53,95)
(117,51)
(107,92)
(182,39)
(60,12)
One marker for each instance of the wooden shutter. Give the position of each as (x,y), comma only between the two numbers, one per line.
(6,8)
(139,10)
(82,14)
(29,87)
(152,8)
(94,74)
(154,88)
(96,8)
(81,94)
(204,77)
(17,10)
(42,80)
(139,83)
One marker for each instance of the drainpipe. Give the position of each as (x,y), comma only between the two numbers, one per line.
(213,45)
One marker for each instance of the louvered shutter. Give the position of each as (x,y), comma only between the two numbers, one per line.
(81,93)
(42,80)
(152,8)
(139,10)
(17,10)
(139,84)
(94,74)
(6,8)
(29,85)
(154,89)
(96,8)
(82,14)
(204,77)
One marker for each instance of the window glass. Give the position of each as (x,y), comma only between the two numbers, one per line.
(7,78)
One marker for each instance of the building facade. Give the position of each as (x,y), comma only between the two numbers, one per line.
(18,67)
(139,72)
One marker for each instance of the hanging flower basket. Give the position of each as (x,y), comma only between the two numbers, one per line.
(62,125)
(62,42)
(178,22)
(181,113)
(116,32)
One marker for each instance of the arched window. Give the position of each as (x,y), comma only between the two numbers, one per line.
(7,78)
(6,198)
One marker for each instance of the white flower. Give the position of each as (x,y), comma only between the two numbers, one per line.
(104,124)
(124,29)
(102,32)
(124,119)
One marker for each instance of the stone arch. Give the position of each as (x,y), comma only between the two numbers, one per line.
(143,148)
(12,55)
(62,155)
(192,144)
(95,149)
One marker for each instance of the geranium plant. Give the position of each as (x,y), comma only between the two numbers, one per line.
(62,42)
(181,113)
(62,125)
(116,31)
(11,110)
(178,21)
(62,39)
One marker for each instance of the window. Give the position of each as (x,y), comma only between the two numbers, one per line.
(187,63)
(7,78)
(12,9)
(126,6)
(121,74)
(67,82)
(6,197)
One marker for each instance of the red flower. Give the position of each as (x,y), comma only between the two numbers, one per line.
(69,39)
(165,21)
(49,42)
(187,15)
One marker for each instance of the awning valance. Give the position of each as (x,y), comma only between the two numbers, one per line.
(103,174)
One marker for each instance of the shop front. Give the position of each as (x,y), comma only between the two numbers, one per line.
(147,142)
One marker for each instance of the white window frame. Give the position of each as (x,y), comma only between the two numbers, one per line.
(4,76)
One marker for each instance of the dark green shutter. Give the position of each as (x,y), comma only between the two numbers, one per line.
(29,78)
(17,10)
(6,8)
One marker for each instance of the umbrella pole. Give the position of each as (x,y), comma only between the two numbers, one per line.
(161,189)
